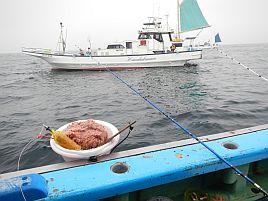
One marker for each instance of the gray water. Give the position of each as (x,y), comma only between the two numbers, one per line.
(215,96)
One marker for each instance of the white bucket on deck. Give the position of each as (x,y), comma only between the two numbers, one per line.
(71,155)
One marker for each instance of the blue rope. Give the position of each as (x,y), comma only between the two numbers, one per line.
(192,135)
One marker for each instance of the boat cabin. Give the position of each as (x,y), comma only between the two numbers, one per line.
(152,39)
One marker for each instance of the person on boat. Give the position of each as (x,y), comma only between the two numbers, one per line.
(81,52)
(88,52)
(172,48)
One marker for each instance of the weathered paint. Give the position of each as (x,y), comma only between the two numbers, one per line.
(97,181)
(33,187)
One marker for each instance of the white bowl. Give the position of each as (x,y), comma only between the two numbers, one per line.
(71,155)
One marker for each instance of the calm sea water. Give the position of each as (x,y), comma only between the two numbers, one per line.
(215,96)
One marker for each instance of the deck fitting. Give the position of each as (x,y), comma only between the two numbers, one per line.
(230,145)
(119,168)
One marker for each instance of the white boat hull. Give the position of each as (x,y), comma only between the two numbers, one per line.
(117,62)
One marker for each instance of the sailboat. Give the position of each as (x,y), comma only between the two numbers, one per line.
(190,19)
(209,45)
(156,46)
(190,16)
(217,40)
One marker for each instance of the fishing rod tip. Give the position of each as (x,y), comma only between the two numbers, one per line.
(46,127)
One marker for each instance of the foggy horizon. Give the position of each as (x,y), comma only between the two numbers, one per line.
(36,23)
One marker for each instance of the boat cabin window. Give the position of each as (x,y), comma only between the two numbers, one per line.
(177,44)
(145,36)
(129,45)
(155,36)
(158,37)
(117,46)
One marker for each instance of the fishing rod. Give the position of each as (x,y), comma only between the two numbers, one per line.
(258,188)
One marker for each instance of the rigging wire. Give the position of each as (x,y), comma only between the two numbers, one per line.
(239,63)
(186,131)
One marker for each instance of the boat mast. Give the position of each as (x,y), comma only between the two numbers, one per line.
(61,40)
(178,19)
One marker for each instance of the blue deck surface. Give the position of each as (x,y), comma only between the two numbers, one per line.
(33,187)
(97,181)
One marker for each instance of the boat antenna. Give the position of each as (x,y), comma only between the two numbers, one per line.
(158,9)
(257,188)
(167,16)
(65,40)
(89,41)
(178,19)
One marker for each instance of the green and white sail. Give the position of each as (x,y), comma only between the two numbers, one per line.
(191,17)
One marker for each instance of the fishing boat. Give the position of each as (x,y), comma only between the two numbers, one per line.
(156,46)
(181,170)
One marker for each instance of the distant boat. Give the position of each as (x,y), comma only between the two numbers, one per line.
(217,40)
(208,45)
(156,46)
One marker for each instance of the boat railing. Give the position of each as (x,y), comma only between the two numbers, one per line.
(37,50)
(44,51)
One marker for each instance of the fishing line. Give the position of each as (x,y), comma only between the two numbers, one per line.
(20,156)
(178,125)
(18,166)
(33,139)
(239,63)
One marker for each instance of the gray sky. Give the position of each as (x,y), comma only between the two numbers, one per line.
(35,23)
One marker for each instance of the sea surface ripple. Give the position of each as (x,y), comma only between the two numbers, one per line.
(214,96)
